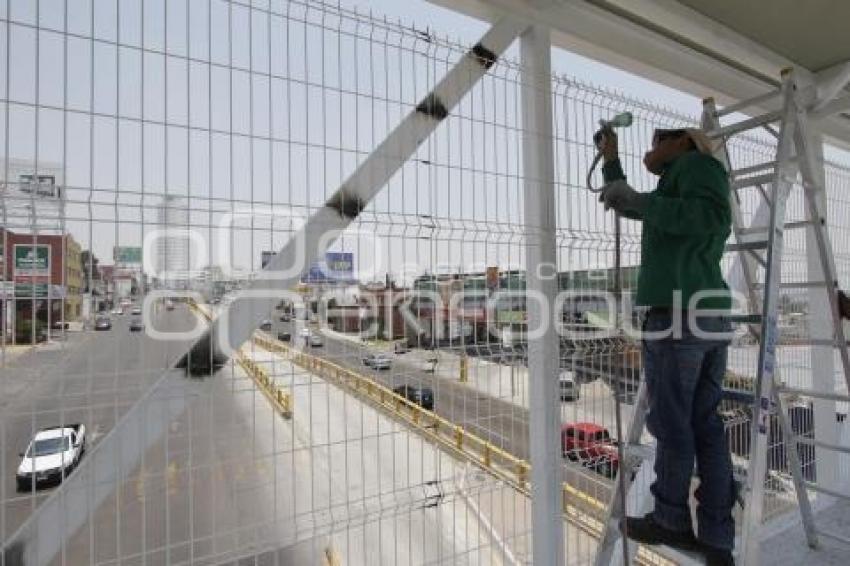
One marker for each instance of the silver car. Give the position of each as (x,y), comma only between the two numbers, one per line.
(568,387)
(377,361)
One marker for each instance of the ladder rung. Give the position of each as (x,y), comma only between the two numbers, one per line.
(743,171)
(834,536)
(820,443)
(737,395)
(744,318)
(747,246)
(787,226)
(820,342)
(754,101)
(828,395)
(795,285)
(641,451)
(826,490)
(745,125)
(752,181)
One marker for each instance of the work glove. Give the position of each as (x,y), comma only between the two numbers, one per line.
(624,199)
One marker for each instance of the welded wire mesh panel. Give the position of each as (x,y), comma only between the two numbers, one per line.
(156,155)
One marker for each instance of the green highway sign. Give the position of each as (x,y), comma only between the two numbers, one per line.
(127,254)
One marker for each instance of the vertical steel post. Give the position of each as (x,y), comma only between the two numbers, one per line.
(539,200)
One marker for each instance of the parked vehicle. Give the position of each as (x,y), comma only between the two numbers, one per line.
(169,305)
(591,445)
(51,455)
(422,396)
(136,325)
(401,347)
(316,340)
(137,310)
(284,336)
(118,310)
(102,323)
(266,325)
(377,361)
(60,325)
(570,390)
(285,317)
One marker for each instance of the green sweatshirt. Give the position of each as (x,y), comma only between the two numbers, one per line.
(686,221)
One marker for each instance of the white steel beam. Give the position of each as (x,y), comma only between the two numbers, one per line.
(44,533)
(543,356)
(284,270)
(683,49)
(830,84)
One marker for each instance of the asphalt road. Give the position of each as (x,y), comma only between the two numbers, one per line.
(197,487)
(90,377)
(502,423)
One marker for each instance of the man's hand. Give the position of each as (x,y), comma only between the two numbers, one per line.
(606,143)
(624,199)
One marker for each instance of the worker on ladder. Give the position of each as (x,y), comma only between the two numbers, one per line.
(686,222)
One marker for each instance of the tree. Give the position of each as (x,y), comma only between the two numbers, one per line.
(91,270)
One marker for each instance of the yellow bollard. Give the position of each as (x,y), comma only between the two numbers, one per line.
(522,473)
(487,457)
(464,368)
(459,437)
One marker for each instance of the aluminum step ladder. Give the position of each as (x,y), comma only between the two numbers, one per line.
(760,247)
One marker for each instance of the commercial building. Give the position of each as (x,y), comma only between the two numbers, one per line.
(42,282)
(173,246)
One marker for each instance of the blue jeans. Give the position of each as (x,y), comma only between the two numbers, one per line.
(683,378)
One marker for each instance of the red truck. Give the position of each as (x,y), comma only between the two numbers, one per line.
(591,445)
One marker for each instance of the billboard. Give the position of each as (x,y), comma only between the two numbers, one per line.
(127,254)
(32,260)
(337,267)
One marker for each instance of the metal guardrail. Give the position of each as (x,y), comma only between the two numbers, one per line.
(279,397)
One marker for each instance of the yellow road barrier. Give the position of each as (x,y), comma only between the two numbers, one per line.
(279,397)
(579,508)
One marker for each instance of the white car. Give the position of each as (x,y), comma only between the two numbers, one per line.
(137,310)
(51,455)
(305,332)
(377,361)
(316,341)
(118,310)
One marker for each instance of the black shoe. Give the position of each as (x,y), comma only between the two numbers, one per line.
(645,530)
(717,556)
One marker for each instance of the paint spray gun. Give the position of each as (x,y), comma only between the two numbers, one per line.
(606,127)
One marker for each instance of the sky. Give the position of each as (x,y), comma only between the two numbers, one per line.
(271,122)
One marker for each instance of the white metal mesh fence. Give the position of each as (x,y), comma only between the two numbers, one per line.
(186,138)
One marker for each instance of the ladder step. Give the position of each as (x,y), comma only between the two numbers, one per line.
(828,395)
(744,318)
(746,103)
(743,171)
(821,444)
(787,226)
(752,181)
(737,395)
(640,451)
(795,285)
(821,342)
(826,490)
(747,246)
(834,536)
(745,125)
